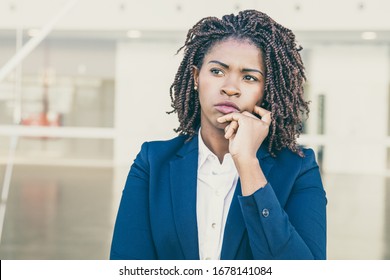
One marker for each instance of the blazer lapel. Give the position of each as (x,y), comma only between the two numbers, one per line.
(183,175)
(265,159)
(234,228)
(235,224)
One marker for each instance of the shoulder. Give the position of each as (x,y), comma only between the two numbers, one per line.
(304,171)
(162,149)
(166,146)
(286,154)
(154,153)
(308,153)
(291,159)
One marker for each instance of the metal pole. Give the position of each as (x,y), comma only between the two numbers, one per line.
(34,41)
(17,117)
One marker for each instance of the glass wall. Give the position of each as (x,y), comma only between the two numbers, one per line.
(66,83)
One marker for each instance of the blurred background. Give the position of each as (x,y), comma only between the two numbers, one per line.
(84,83)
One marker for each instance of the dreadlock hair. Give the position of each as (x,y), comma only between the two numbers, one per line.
(283,92)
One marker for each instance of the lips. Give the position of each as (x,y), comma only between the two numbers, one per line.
(227,107)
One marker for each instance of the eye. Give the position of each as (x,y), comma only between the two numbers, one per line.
(250,78)
(216,71)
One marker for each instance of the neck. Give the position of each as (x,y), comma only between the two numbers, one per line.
(215,141)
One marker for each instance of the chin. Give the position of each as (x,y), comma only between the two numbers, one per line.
(221,125)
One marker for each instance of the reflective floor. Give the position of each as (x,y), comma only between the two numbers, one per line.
(69,212)
(58,213)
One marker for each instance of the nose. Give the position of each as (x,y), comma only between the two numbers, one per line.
(231,88)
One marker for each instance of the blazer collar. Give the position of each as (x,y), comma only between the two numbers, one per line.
(262,152)
(188,147)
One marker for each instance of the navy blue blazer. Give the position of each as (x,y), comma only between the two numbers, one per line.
(157,214)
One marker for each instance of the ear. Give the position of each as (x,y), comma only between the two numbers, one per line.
(195,73)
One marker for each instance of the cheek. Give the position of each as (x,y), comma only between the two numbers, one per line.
(203,98)
(260,100)
(258,97)
(207,91)
(207,85)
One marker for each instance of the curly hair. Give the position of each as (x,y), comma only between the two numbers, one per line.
(283,91)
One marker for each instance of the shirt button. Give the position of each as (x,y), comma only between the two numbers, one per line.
(207,259)
(214,172)
(213,225)
(265,213)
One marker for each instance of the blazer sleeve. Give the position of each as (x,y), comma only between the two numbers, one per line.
(132,238)
(297,231)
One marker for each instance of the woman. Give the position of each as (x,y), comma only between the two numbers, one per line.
(234,184)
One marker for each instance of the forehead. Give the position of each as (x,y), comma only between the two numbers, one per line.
(241,51)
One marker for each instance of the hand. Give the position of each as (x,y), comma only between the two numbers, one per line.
(246,132)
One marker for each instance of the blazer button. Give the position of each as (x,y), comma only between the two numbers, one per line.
(265,213)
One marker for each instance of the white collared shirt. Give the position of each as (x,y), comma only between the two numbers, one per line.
(215,188)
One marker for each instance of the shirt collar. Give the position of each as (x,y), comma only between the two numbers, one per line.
(205,153)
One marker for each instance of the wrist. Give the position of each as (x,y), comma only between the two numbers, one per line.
(245,162)
(251,175)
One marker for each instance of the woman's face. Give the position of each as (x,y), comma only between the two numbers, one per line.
(231,79)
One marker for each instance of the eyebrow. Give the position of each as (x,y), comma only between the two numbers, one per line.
(243,70)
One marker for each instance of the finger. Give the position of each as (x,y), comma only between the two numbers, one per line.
(246,113)
(227,127)
(263,113)
(229,117)
(231,129)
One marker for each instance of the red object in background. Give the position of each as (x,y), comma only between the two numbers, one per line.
(42,119)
